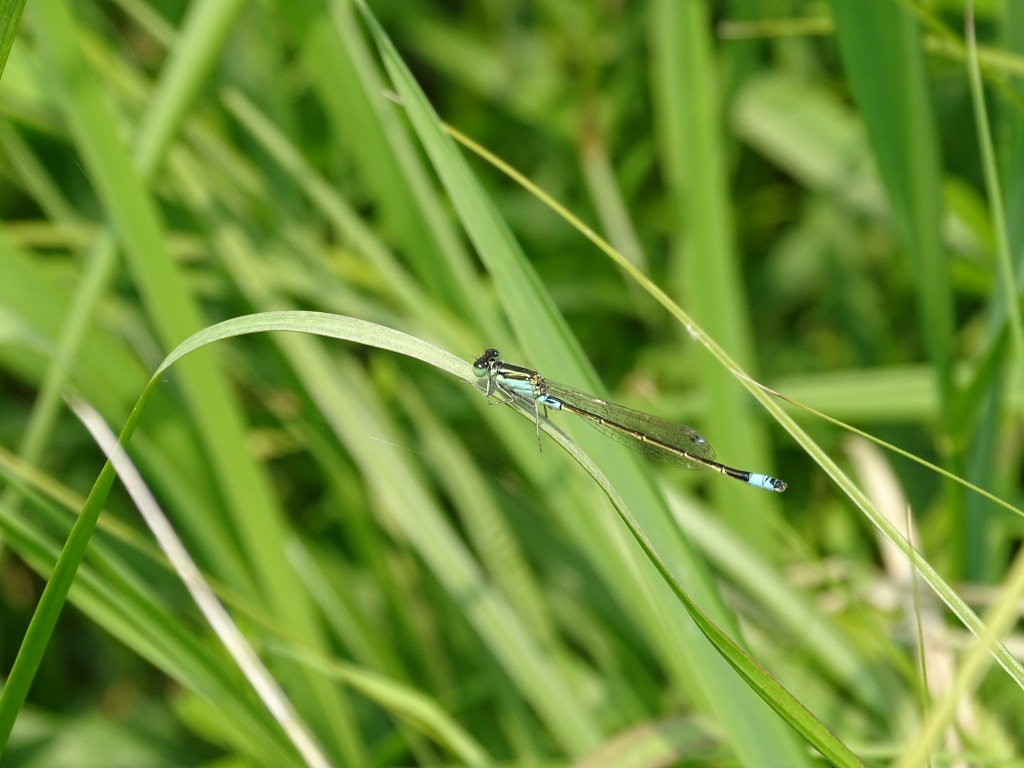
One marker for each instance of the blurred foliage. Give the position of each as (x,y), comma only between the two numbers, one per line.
(806,180)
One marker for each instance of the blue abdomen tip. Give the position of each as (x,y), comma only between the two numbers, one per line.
(767,482)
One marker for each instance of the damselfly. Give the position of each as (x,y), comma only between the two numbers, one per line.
(653,437)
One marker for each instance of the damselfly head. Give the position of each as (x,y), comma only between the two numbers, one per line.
(485,361)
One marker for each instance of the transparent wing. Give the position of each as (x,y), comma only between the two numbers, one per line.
(662,431)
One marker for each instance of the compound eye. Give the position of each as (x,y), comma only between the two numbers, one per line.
(483,363)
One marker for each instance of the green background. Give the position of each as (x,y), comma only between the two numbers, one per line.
(825,195)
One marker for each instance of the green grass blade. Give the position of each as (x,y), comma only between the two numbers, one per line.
(250,503)
(882,52)
(10,18)
(704,267)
